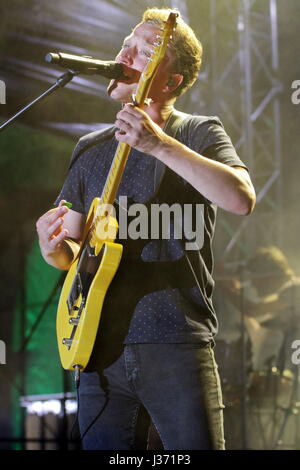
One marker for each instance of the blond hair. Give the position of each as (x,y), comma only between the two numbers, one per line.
(186,46)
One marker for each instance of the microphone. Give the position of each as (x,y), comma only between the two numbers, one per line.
(90,66)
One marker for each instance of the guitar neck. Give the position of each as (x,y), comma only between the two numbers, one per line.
(139,100)
(120,159)
(115,173)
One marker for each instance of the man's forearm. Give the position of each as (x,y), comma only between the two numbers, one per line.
(219,183)
(228,187)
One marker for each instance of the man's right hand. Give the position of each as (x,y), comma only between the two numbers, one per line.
(60,231)
(51,231)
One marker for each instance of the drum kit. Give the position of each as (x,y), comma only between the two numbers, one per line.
(260,384)
(265,409)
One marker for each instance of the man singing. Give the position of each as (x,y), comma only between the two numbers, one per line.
(154,348)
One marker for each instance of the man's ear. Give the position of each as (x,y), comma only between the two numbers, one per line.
(173,82)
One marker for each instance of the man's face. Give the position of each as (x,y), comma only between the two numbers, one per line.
(135,53)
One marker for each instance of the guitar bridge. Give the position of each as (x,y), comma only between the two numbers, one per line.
(67,342)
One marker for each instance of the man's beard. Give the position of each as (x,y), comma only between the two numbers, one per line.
(122,95)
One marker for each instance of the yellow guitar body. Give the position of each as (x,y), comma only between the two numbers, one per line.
(77,326)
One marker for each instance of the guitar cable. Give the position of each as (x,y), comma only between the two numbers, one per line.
(76,420)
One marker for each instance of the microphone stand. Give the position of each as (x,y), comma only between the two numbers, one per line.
(60,82)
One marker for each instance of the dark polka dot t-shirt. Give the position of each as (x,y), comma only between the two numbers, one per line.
(162,291)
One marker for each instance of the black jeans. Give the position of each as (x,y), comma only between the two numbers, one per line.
(179,386)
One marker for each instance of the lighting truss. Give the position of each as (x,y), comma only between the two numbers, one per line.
(239,83)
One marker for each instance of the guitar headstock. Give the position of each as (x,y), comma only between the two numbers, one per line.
(161,45)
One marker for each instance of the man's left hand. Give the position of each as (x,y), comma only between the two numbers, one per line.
(136,128)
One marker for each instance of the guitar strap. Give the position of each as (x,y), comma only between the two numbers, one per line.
(171,128)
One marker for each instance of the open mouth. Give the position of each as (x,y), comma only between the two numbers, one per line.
(129,75)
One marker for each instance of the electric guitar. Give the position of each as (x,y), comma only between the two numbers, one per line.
(89,277)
